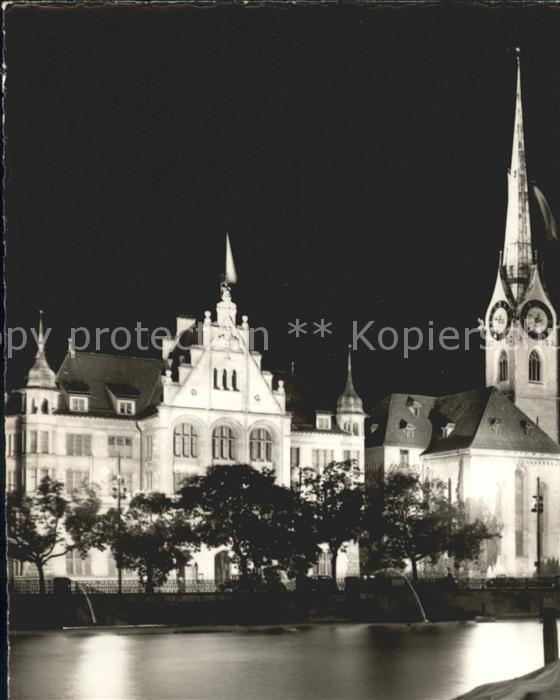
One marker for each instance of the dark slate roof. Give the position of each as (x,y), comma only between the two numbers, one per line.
(73,387)
(123,391)
(486,419)
(99,371)
(392,414)
(483,419)
(300,403)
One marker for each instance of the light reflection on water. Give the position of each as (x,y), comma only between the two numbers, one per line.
(338,662)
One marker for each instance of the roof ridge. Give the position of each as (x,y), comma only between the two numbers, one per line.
(120,357)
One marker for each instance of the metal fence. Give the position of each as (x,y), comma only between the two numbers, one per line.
(29,585)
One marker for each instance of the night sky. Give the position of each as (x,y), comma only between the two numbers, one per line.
(357,156)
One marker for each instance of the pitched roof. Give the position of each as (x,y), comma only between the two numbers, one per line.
(136,377)
(486,419)
(481,419)
(389,420)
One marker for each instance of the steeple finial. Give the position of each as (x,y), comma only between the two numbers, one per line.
(41,374)
(349,401)
(518,255)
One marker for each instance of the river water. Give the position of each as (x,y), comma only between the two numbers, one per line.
(322,662)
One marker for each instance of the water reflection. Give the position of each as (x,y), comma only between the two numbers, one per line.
(338,662)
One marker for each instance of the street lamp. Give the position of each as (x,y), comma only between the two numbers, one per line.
(538,509)
(119,493)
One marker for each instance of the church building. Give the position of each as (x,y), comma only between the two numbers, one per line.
(490,445)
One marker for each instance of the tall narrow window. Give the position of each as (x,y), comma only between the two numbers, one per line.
(45,406)
(216,379)
(224,380)
(185,441)
(404,458)
(223,443)
(535,367)
(234,380)
(261,446)
(520,514)
(503,367)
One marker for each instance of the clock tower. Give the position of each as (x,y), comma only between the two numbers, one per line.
(521,322)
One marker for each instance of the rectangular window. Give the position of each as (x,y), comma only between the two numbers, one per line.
(32,442)
(324,422)
(148,481)
(351,456)
(10,480)
(76,566)
(320,458)
(44,442)
(178,478)
(9,445)
(294,456)
(76,479)
(78,445)
(149,447)
(125,408)
(119,445)
(31,474)
(404,458)
(79,404)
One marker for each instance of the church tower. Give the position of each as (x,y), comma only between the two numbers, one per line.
(521,322)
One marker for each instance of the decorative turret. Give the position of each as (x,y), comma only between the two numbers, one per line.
(349,402)
(41,375)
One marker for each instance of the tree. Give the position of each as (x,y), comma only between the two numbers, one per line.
(153,537)
(243,508)
(337,497)
(420,522)
(44,524)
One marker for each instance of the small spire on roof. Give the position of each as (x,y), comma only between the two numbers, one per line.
(41,374)
(349,401)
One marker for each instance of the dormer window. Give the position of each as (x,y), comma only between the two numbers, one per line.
(407,428)
(324,422)
(373,427)
(413,406)
(125,407)
(527,426)
(79,404)
(495,424)
(447,429)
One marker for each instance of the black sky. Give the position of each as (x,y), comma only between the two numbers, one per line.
(356,154)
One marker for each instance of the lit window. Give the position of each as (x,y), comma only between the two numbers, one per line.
(519,513)
(294,456)
(119,445)
(223,443)
(323,422)
(76,479)
(44,442)
(320,458)
(125,408)
(503,367)
(79,404)
(78,445)
(185,441)
(149,446)
(76,566)
(32,442)
(260,446)
(535,367)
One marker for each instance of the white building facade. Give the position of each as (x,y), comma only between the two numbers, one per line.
(207,401)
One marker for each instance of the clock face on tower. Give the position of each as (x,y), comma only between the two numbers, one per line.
(500,320)
(536,319)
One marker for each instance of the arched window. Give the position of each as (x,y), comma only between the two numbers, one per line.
(216,379)
(45,406)
(234,380)
(503,367)
(520,514)
(185,441)
(224,380)
(355,428)
(261,445)
(33,406)
(535,367)
(223,443)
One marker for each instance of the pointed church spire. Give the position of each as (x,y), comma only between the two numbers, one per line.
(41,375)
(349,401)
(517,259)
